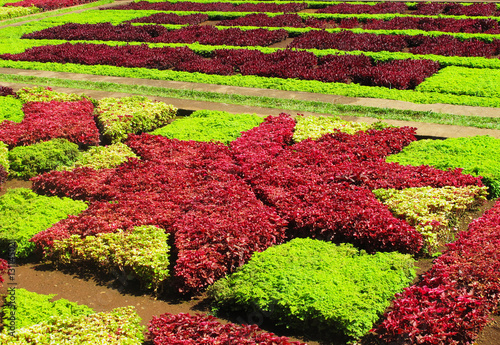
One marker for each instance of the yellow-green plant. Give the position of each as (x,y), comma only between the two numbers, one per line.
(103,157)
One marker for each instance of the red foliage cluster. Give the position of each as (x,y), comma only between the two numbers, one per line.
(48,5)
(456,9)
(43,121)
(187,188)
(401,74)
(381,7)
(185,329)
(488,26)
(262,19)
(6,91)
(419,44)
(171,18)
(453,301)
(207,34)
(347,40)
(4,266)
(213,6)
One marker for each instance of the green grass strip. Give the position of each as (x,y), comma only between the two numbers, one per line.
(266,102)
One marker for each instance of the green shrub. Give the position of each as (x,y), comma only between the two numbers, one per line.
(119,117)
(207,125)
(11,109)
(23,214)
(432,211)
(29,161)
(317,286)
(32,308)
(314,127)
(4,156)
(45,94)
(103,157)
(143,253)
(120,326)
(478,156)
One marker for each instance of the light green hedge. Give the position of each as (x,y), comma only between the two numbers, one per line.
(207,125)
(316,286)
(119,117)
(32,308)
(103,157)
(314,127)
(432,211)
(142,253)
(45,94)
(23,214)
(29,161)
(478,156)
(120,326)
(11,109)
(4,156)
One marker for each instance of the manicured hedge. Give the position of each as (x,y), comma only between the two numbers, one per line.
(11,109)
(4,156)
(120,326)
(317,286)
(29,161)
(314,127)
(185,329)
(433,212)
(141,253)
(478,156)
(24,213)
(206,125)
(32,308)
(453,301)
(126,115)
(103,157)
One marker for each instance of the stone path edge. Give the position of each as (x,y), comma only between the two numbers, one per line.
(423,129)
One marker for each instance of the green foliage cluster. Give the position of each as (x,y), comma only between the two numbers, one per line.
(208,125)
(102,157)
(478,156)
(119,117)
(432,211)
(4,156)
(314,127)
(120,326)
(16,11)
(29,161)
(11,109)
(464,81)
(317,286)
(23,214)
(32,308)
(142,253)
(45,94)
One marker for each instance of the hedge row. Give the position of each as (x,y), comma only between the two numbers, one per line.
(11,109)
(453,301)
(102,157)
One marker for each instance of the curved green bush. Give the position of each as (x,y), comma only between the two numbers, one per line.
(207,125)
(45,94)
(317,286)
(478,156)
(11,109)
(29,161)
(23,214)
(32,308)
(4,156)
